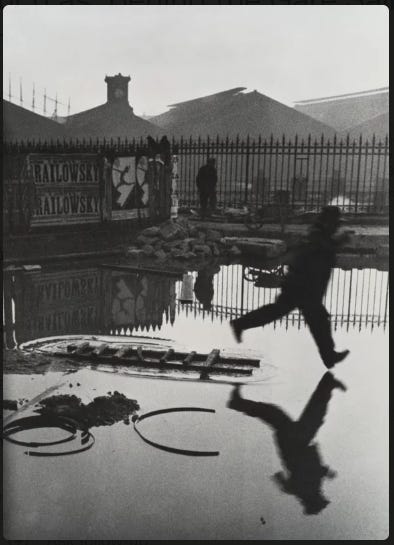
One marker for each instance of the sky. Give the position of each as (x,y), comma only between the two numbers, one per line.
(176,53)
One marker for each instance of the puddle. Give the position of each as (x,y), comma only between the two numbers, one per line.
(243,493)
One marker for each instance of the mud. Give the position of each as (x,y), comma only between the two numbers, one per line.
(18,362)
(102,411)
(10,405)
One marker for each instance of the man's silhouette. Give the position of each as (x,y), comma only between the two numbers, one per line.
(304,286)
(301,458)
(165,150)
(206,182)
(203,286)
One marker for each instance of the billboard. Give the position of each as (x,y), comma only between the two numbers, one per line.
(67,188)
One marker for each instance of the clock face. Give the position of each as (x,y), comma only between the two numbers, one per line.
(118,93)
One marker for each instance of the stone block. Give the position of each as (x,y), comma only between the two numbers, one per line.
(153,231)
(234,251)
(148,250)
(161,255)
(134,252)
(141,240)
(213,236)
(171,230)
(215,250)
(383,250)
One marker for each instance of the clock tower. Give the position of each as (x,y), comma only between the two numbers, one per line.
(117,88)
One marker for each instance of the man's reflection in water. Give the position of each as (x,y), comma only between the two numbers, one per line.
(293,438)
(203,286)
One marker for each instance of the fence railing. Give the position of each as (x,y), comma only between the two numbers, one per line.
(303,174)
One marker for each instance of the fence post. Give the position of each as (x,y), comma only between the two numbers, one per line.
(174,188)
(247,170)
(358,172)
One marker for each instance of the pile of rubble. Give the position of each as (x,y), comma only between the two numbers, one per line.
(181,240)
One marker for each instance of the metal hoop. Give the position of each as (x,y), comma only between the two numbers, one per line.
(172,449)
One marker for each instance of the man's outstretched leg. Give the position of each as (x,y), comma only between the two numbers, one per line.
(313,415)
(318,321)
(203,203)
(262,316)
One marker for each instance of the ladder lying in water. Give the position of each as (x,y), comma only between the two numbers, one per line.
(152,358)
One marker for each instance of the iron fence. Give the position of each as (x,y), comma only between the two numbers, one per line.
(303,174)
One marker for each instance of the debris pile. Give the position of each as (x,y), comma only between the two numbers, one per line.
(102,411)
(180,240)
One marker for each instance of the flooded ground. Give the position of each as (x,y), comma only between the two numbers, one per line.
(125,488)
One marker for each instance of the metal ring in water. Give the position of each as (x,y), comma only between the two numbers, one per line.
(44,421)
(173,449)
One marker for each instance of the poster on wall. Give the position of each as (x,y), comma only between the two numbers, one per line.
(67,188)
(129,188)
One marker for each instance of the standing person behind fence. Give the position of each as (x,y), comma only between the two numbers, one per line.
(206,184)
(305,285)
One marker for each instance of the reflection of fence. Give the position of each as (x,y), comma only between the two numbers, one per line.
(307,173)
(354,298)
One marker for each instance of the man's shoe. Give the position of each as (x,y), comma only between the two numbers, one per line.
(237,330)
(235,397)
(335,357)
(331,381)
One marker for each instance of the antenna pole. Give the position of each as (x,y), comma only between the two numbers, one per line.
(20,92)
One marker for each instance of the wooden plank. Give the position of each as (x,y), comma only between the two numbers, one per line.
(212,358)
(185,357)
(189,358)
(82,348)
(122,352)
(139,354)
(100,349)
(140,361)
(170,352)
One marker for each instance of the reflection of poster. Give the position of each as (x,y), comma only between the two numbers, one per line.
(129,187)
(58,303)
(139,301)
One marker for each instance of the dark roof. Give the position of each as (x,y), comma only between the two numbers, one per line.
(232,112)
(209,99)
(346,95)
(378,126)
(22,124)
(109,120)
(349,110)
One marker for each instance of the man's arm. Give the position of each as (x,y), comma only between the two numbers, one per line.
(343,237)
(198,179)
(215,177)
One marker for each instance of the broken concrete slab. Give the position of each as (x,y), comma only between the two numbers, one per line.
(148,250)
(257,246)
(160,254)
(171,231)
(383,250)
(134,252)
(151,231)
